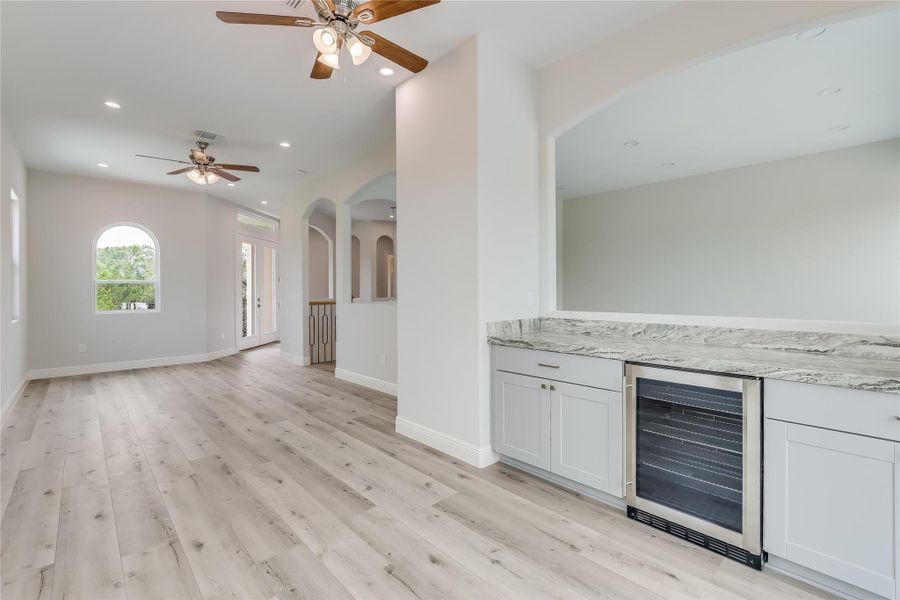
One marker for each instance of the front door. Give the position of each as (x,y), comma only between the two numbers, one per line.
(257,284)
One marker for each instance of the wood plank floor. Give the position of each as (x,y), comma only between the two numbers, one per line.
(250,478)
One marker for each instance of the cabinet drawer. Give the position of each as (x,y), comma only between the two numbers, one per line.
(856,411)
(585,370)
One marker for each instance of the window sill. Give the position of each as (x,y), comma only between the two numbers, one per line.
(126,312)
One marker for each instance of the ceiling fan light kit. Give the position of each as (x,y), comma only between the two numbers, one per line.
(202,178)
(336,29)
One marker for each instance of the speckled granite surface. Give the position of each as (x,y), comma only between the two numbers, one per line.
(842,360)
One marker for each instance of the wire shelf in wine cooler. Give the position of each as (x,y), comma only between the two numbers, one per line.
(695,430)
(722,401)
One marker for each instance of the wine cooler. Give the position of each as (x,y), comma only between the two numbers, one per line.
(693,464)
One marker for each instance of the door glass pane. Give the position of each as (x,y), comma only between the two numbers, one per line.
(248,305)
(267,290)
(690,449)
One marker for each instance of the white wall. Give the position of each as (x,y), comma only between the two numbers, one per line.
(13,336)
(221,275)
(319,262)
(468,191)
(196,233)
(437,186)
(367,345)
(812,237)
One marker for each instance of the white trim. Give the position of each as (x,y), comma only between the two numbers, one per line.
(464,451)
(741,322)
(128,364)
(364,380)
(14,397)
(296,359)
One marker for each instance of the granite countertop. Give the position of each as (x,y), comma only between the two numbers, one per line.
(856,362)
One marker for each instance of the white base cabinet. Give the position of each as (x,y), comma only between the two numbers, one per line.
(586,436)
(521,418)
(832,498)
(569,429)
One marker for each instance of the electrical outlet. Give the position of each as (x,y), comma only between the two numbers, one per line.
(82,347)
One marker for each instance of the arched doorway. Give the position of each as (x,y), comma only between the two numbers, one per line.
(320,314)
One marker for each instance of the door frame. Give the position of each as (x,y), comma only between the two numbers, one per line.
(259,245)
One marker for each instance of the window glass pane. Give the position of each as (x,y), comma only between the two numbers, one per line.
(126,296)
(125,252)
(267,291)
(248,304)
(15,240)
(257,221)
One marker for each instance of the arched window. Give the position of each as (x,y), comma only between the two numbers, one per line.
(126,269)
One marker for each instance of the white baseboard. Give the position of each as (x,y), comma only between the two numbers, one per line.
(143,363)
(464,451)
(296,359)
(364,380)
(14,397)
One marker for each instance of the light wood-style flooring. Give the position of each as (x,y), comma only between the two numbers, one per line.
(251,478)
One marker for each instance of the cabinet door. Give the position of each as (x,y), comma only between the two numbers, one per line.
(831,504)
(586,436)
(521,418)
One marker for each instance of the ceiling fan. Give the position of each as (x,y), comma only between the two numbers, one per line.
(203,169)
(336,28)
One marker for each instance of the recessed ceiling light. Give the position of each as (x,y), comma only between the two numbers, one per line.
(829,91)
(810,33)
(103,165)
(111,104)
(285,144)
(386,72)
(231,185)
(838,128)
(264,202)
(668,164)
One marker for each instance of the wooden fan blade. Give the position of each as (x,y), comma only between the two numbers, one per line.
(180,171)
(184,162)
(320,70)
(395,53)
(226,175)
(250,168)
(385,9)
(257,19)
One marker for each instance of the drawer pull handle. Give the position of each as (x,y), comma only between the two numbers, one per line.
(557,366)
(897,417)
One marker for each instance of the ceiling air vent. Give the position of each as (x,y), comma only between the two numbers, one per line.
(205,135)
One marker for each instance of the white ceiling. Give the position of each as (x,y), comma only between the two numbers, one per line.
(377,209)
(174,68)
(751,106)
